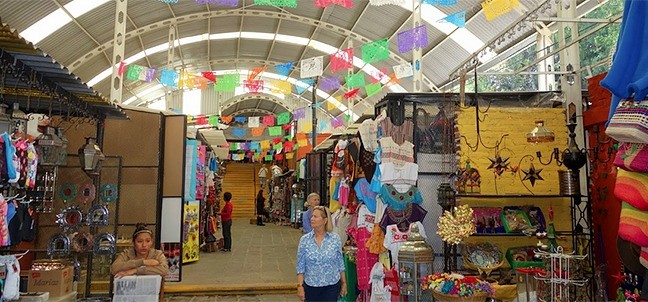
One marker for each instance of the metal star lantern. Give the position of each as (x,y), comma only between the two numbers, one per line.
(499,165)
(532,175)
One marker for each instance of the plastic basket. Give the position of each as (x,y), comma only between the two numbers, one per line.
(525,224)
(520,264)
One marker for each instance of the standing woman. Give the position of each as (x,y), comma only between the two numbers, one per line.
(260,205)
(320,265)
(142,259)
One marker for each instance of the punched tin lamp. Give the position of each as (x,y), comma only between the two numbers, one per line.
(90,156)
(415,261)
(49,147)
(5,119)
(446,196)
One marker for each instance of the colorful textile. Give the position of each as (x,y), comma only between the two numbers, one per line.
(633,224)
(364,194)
(397,200)
(628,74)
(365,260)
(632,187)
(402,219)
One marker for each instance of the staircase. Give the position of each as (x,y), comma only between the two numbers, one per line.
(242,181)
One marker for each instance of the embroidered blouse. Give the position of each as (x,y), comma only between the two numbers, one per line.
(368,134)
(400,133)
(365,218)
(397,200)
(394,238)
(405,175)
(395,152)
(402,219)
(321,265)
(365,194)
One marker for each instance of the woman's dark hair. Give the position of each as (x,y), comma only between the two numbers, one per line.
(260,194)
(227,196)
(141,228)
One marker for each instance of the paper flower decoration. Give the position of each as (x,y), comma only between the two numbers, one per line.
(453,228)
(456,285)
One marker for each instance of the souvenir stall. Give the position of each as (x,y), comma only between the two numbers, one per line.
(281,196)
(210,207)
(377,207)
(195,189)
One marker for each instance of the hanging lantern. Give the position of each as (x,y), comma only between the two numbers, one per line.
(90,156)
(48,147)
(5,119)
(19,119)
(446,196)
(62,161)
(540,134)
(415,260)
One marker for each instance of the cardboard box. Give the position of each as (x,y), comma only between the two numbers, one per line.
(34,297)
(55,282)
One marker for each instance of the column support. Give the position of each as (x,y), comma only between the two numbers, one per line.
(417,80)
(119,37)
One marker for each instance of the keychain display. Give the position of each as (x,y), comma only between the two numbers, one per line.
(67,192)
(108,193)
(87,193)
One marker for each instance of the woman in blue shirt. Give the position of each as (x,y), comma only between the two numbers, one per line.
(320,266)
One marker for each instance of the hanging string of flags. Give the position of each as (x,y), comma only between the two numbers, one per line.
(492,8)
(371,52)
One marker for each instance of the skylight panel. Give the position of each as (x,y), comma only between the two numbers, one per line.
(58,18)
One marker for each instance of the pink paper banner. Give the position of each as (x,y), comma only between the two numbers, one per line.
(342,59)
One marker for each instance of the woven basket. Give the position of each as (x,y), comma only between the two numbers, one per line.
(479,297)
(629,123)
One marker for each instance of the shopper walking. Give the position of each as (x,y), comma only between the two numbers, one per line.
(320,265)
(226,220)
(312,200)
(260,205)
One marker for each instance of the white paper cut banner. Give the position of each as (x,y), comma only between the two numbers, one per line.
(403,70)
(312,67)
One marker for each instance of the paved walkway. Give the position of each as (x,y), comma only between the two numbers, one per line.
(262,260)
(234,298)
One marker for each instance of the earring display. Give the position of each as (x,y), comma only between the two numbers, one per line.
(104,244)
(97,216)
(109,193)
(58,245)
(70,218)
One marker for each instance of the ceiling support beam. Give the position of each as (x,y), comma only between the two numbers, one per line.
(118,50)
(417,51)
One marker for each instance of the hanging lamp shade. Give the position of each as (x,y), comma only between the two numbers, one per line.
(540,134)
(5,119)
(64,148)
(48,147)
(91,157)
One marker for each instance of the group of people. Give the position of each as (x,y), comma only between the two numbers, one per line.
(320,263)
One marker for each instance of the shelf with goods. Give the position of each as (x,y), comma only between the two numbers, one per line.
(562,219)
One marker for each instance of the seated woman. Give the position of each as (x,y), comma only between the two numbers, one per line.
(142,259)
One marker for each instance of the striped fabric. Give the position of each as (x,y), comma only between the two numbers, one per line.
(643,257)
(632,187)
(633,225)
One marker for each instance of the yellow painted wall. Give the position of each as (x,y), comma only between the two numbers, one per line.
(516,122)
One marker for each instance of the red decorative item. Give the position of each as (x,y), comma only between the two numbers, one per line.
(255,86)
(209,75)
(351,93)
(342,59)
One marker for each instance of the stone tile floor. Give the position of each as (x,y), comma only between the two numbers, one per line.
(233,298)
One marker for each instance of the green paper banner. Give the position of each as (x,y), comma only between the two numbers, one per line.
(373,88)
(355,80)
(274,131)
(283,118)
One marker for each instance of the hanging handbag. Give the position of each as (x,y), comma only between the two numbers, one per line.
(633,224)
(629,123)
(632,157)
